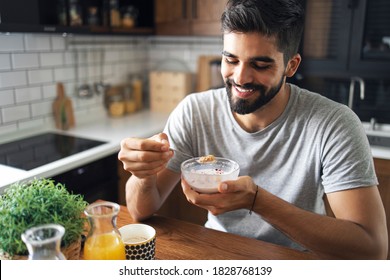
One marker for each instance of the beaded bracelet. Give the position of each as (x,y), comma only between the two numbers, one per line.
(254,200)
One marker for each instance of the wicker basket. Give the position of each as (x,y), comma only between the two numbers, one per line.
(71,252)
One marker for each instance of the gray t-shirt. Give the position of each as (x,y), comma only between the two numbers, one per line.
(316,146)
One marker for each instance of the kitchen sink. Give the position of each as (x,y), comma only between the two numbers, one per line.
(382,141)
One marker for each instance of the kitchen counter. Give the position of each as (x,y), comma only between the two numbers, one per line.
(111,130)
(380,130)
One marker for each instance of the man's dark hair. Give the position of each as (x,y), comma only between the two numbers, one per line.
(283,19)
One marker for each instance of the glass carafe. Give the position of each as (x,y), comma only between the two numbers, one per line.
(104,241)
(44,242)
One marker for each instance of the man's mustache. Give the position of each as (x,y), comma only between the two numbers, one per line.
(247,86)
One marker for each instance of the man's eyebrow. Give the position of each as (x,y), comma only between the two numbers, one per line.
(256,58)
(228,54)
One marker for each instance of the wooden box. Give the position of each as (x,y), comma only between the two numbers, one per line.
(167,89)
(209,73)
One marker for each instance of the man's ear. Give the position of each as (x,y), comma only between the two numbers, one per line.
(293,64)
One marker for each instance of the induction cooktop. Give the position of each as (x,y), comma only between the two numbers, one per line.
(32,152)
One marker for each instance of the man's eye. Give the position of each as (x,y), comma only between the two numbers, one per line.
(228,61)
(261,67)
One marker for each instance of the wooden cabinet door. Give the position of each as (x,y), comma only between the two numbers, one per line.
(370,43)
(325,43)
(188,17)
(206,17)
(382,168)
(346,38)
(172,17)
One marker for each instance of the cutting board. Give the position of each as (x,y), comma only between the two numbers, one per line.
(63,109)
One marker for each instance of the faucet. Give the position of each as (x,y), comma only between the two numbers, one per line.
(352,90)
(373,123)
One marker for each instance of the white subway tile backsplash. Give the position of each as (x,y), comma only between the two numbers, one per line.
(41,108)
(64,74)
(32,64)
(81,74)
(51,59)
(112,56)
(108,70)
(6,97)
(11,114)
(29,124)
(69,58)
(58,42)
(11,43)
(8,128)
(27,94)
(13,79)
(37,42)
(94,71)
(5,62)
(25,60)
(40,76)
(69,88)
(49,91)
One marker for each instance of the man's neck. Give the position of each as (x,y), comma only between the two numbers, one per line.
(266,115)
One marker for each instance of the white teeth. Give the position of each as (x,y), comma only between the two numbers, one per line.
(244,90)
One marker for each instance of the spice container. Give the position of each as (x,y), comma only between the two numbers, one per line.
(115,17)
(137,92)
(75,13)
(93,18)
(130,104)
(129,16)
(61,13)
(116,106)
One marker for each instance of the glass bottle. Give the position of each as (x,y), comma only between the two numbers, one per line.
(104,241)
(75,13)
(44,242)
(115,16)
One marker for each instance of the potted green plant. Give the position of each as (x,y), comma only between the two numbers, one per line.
(36,202)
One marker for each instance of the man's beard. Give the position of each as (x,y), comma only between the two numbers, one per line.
(244,106)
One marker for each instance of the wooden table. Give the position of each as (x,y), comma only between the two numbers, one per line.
(179,240)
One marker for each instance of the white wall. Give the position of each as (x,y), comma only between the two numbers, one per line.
(32,64)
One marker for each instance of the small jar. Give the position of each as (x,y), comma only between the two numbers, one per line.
(116,106)
(129,16)
(130,103)
(93,18)
(137,92)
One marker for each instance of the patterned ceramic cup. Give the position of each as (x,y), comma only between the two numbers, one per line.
(140,241)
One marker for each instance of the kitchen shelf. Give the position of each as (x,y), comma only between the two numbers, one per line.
(43,16)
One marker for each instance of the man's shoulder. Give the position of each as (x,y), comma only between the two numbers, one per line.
(314,101)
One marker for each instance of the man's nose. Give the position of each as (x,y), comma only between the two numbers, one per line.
(243,74)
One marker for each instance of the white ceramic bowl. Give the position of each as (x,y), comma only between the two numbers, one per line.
(204,177)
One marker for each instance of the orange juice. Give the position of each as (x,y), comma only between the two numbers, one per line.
(107,246)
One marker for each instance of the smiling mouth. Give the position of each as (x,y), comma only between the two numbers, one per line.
(244,93)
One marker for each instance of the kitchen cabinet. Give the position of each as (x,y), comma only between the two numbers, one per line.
(95,180)
(382,168)
(188,17)
(345,38)
(78,16)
